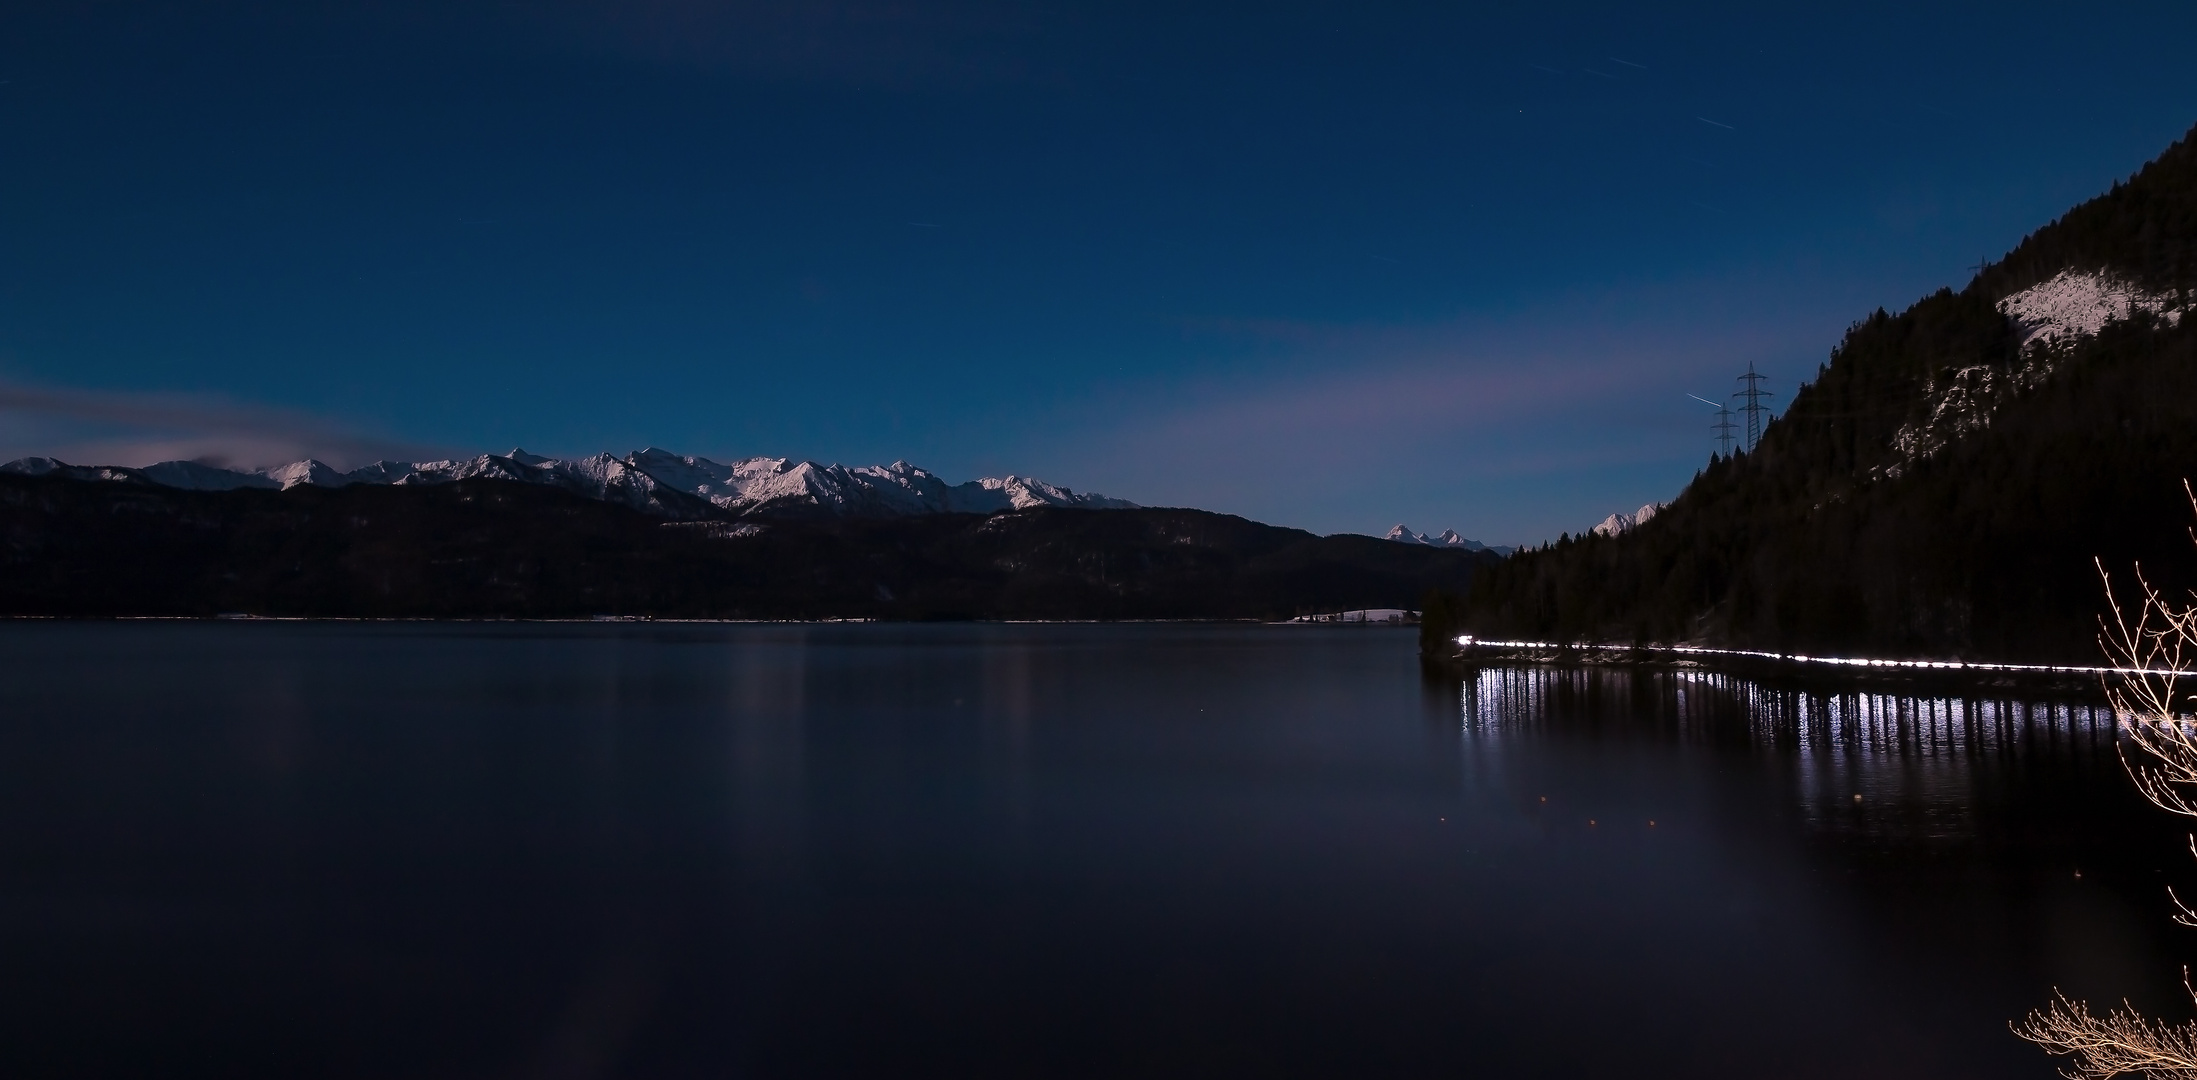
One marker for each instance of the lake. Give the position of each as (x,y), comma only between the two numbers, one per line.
(655,850)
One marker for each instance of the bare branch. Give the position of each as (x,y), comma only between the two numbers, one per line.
(2151,644)
(2119,1043)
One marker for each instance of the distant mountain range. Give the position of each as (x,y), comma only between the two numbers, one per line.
(548,543)
(1449,539)
(656,534)
(653,481)
(1943,485)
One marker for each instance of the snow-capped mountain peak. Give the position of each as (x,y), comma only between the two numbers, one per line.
(1622,523)
(653,480)
(1402,534)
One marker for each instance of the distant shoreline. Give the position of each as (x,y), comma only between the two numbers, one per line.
(491,548)
(1474,655)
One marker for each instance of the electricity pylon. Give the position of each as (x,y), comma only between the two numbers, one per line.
(1723,426)
(1754,393)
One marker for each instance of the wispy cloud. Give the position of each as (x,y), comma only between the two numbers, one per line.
(99,427)
(1558,415)
(1487,413)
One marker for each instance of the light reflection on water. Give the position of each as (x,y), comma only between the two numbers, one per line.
(1705,705)
(1031,850)
(1981,844)
(1867,762)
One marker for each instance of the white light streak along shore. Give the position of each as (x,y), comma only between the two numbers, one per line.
(1469,641)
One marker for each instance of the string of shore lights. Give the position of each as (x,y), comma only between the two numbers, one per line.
(1468,641)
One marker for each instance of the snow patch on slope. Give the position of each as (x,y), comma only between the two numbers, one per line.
(1960,403)
(46,466)
(1023,493)
(2078,303)
(2052,317)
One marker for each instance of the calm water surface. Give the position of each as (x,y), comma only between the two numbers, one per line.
(658,851)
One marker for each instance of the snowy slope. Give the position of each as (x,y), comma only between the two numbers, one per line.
(46,466)
(2077,303)
(2060,312)
(654,481)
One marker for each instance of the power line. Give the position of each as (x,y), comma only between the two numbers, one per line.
(1754,393)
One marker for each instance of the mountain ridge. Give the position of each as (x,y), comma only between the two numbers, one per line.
(653,480)
(1449,538)
(488,547)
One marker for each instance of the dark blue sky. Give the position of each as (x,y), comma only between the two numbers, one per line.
(1328,265)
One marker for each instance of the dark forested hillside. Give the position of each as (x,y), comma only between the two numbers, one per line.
(1937,489)
(489,548)
(2141,230)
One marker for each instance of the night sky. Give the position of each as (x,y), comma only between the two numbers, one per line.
(1326,265)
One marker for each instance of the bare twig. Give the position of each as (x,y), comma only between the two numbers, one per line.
(2121,1042)
(2153,650)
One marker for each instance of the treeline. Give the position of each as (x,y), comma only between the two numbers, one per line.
(2141,230)
(498,548)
